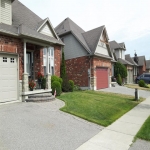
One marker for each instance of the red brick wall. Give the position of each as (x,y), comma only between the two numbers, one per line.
(77,70)
(100,62)
(57,56)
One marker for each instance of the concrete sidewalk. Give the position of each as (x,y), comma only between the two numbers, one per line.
(120,134)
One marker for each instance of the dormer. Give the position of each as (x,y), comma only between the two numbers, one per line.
(6,11)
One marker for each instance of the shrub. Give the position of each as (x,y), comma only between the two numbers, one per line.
(119,80)
(43,84)
(146,86)
(71,83)
(63,66)
(141,83)
(56,78)
(76,88)
(65,85)
(56,85)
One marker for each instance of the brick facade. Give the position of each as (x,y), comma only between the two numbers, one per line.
(57,61)
(77,70)
(142,69)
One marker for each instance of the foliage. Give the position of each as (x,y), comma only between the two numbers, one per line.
(76,88)
(71,83)
(119,80)
(40,75)
(63,66)
(56,78)
(141,83)
(120,69)
(43,84)
(98,107)
(32,84)
(146,86)
(65,85)
(144,132)
(56,85)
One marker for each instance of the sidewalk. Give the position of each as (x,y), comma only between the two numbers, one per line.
(120,134)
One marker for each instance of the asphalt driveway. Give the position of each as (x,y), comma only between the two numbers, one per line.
(41,126)
(126,91)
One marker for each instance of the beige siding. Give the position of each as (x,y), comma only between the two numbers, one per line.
(102,50)
(5,12)
(46,30)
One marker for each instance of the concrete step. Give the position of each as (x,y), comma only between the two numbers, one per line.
(40,95)
(114,84)
(40,99)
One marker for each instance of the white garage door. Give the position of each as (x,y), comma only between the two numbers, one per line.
(8,78)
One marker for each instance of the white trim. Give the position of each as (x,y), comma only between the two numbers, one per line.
(25,51)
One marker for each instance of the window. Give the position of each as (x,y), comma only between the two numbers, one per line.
(12,60)
(147,75)
(4,59)
(50,59)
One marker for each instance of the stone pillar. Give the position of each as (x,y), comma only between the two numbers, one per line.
(93,83)
(109,81)
(48,81)
(25,86)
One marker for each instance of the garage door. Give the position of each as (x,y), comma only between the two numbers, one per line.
(8,78)
(130,76)
(102,78)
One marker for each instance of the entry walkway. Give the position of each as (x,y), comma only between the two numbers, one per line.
(120,134)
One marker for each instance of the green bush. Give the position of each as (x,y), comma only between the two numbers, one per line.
(76,88)
(43,84)
(71,83)
(146,86)
(56,85)
(65,85)
(141,83)
(56,78)
(119,80)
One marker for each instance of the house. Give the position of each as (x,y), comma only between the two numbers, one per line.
(119,51)
(135,66)
(141,61)
(87,55)
(28,45)
(147,65)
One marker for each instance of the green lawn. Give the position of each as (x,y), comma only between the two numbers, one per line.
(144,132)
(133,86)
(98,107)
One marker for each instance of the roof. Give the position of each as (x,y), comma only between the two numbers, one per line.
(25,22)
(125,62)
(131,60)
(141,60)
(114,45)
(147,64)
(89,39)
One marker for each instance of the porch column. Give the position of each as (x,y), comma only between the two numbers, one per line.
(48,75)
(25,86)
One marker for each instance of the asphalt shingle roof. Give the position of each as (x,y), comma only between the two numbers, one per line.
(27,22)
(141,60)
(129,59)
(114,45)
(125,62)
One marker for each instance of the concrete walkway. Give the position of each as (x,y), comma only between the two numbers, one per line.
(120,134)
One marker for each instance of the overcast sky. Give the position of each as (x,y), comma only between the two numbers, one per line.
(125,20)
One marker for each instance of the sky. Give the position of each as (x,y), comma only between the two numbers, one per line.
(126,21)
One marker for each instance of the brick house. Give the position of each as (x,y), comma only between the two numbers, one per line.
(141,61)
(148,66)
(87,55)
(28,45)
(119,51)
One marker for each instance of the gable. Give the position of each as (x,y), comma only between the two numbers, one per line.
(102,47)
(47,30)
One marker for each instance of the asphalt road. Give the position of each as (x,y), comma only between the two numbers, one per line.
(41,126)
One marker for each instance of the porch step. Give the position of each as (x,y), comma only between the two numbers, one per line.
(44,97)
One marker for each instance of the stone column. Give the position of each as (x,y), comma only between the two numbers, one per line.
(93,83)
(48,81)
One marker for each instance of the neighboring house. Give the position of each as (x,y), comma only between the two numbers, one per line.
(87,55)
(147,65)
(135,66)
(141,61)
(23,36)
(119,51)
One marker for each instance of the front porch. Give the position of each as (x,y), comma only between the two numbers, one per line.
(33,62)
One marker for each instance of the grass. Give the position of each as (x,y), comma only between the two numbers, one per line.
(144,132)
(98,107)
(133,86)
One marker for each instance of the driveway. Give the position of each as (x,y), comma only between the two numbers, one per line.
(126,91)
(41,126)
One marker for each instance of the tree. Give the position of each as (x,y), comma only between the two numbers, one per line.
(120,69)
(63,66)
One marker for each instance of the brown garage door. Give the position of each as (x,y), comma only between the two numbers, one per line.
(102,78)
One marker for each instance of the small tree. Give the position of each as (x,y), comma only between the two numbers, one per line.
(63,66)
(119,80)
(56,86)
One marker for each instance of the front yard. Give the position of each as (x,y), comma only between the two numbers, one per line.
(133,86)
(98,107)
